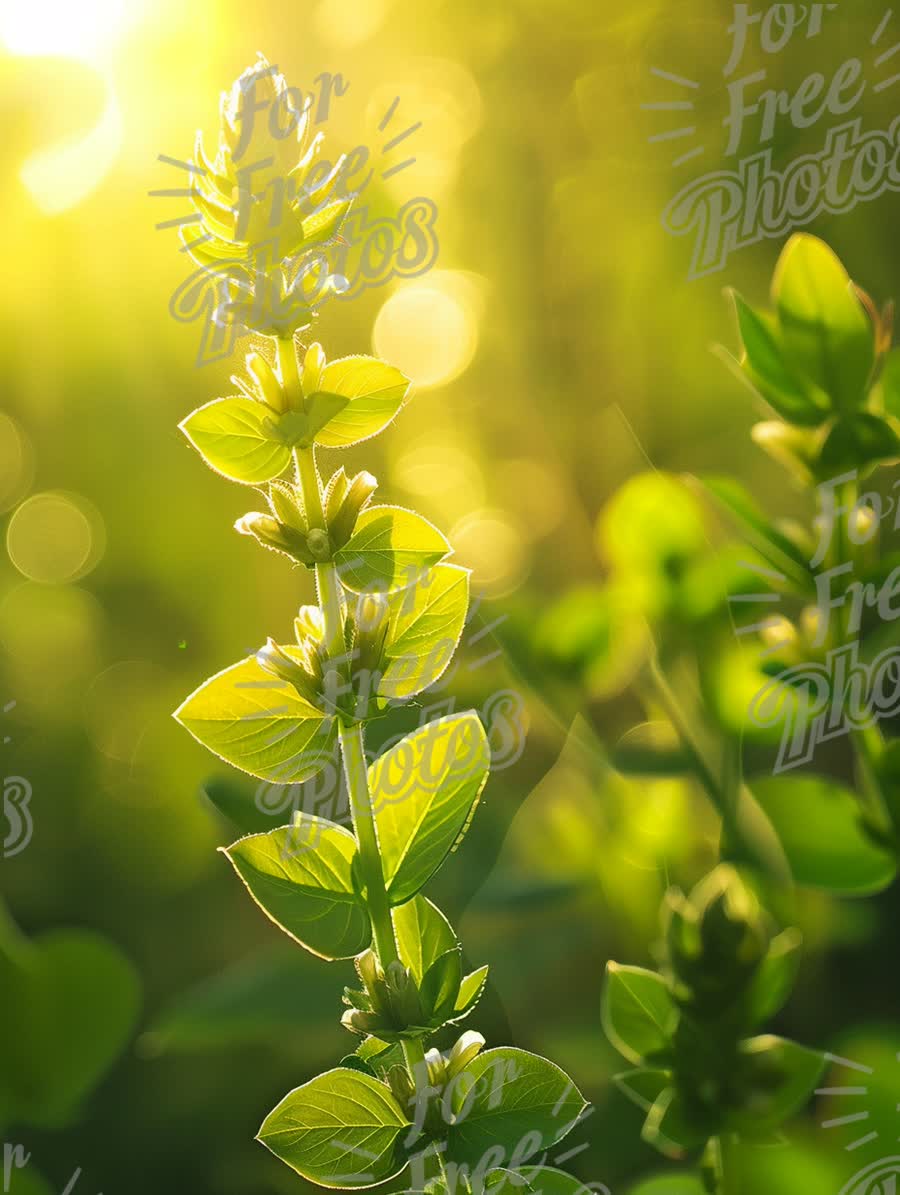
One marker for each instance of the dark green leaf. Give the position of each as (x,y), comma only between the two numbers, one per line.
(777,1077)
(775,977)
(857,441)
(651,749)
(817,822)
(643,1086)
(638,1011)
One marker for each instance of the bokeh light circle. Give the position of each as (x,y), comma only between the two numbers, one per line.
(428,332)
(54,537)
(488,543)
(16,462)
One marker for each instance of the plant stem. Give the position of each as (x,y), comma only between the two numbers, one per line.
(866,741)
(290,374)
(701,768)
(730,1174)
(367,836)
(353,751)
(351,740)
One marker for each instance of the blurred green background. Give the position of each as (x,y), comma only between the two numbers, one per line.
(558,349)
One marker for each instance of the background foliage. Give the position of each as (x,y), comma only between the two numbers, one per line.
(559,350)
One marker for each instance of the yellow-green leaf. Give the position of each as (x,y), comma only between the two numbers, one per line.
(237,437)
(376,392)
(425,789)
(301,878)
(390,549)
(426,622)
(826,334)
(259,724)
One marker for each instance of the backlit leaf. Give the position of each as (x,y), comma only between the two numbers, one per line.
(260,724)
(376,392)
(341,1129)
(425,624)
(424,791)
(638,1012)
(390,548)
(301,878)
(237,437)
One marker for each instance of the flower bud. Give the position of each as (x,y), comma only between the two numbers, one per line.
(265,382)
(335,493)
(318,543)
(276,661)
(361,489)
(286,506)
(273,534)
(466,1049)
(313,365)
(309,624)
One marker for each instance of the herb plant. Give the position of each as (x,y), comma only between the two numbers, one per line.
(703,1074)
(389,613)
(822,360)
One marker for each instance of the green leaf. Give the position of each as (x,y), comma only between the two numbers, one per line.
(238,801)
(775,977)
(425,625)
(390,548)
(424,790)
(440,984)
(826,334)
(669,1129)
(643,1086)
(423,935)
(72,999)
(376,392)
(534,1180)
(27,1181)
(252,1000)
(651,749)
(671,1184)
(890,383)
(321,408)
(857,441)
(638,1012)
(341,1129)
(237,437)
(301,878)
(259,724)
(772,544)
(767,369)
(817,822)
(471,990)
(778,1077)
(511,1101)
